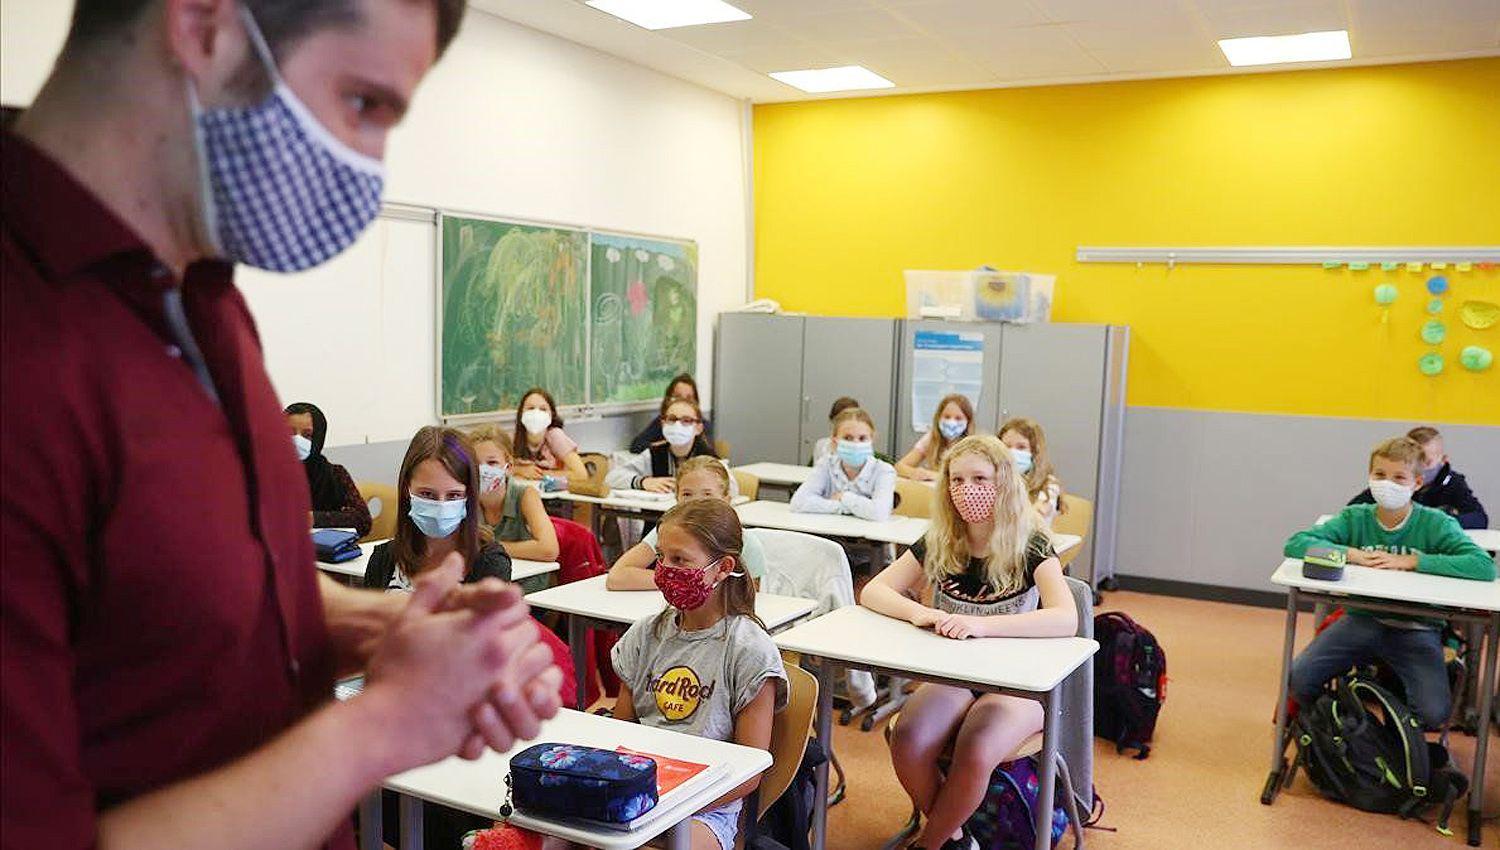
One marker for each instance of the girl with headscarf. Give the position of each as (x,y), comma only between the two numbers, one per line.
(336,502)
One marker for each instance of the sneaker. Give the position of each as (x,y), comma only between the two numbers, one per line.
(966,841)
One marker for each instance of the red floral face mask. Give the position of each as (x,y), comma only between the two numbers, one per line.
(974,501)
(683,587)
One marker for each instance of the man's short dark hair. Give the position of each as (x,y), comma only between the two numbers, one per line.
(283,22)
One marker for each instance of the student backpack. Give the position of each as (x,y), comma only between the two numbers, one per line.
(1004,821)
(1375,762)
(1130,682)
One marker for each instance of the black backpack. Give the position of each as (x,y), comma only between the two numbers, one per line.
(1130,682)
(1375,762)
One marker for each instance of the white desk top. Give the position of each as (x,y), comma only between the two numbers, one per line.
(479,786)
(1487,539)
(589,598)
(519,570)
(859,636)
(898,529)
(778,473)
(626,500)
(1397,586)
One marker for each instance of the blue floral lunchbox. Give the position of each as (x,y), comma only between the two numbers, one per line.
(570,781)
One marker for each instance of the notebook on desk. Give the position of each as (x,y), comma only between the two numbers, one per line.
(643,495)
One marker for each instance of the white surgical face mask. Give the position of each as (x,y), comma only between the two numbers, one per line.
(678,434)
(1390,495)
(536,421)
(492,477)
(304,446)
(953,428)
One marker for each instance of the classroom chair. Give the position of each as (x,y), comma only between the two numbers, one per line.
(382,501)
(721,448)
(1075,735)
(1076,517)
(789,733)
(913,498)
(597,465)
(749,484)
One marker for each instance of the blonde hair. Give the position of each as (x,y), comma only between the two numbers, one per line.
(1401,450)
(1041,463)
(1016,521)
(1423,434)
(853,414)
(704,463)
(936,442)
(716,527)
(491,433)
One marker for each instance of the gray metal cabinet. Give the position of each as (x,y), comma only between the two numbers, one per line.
(776,376)
(846,357)
(758,386)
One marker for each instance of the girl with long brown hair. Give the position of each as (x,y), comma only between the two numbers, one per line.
(704,666)
(540,445)
(989,563)
(1028,447)
(951,421)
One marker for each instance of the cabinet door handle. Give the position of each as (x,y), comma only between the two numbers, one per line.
(806,400)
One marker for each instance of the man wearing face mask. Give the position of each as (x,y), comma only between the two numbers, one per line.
(169,649)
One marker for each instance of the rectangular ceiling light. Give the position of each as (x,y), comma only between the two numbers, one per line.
(1276,49)
(666,14)
(843,78)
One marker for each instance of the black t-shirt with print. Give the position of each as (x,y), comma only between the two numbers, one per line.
(973,586)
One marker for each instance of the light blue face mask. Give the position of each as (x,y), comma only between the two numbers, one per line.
(279,192)
(437,519)
(952,429)
(1023,460)
(855,454)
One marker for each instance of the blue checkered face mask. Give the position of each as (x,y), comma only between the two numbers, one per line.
(279,191)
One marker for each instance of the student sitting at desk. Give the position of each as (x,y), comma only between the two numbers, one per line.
(1392,534)
(512,509)
(540,445)
(951,421)
(682,386)
(851,480)
(824,446)
(704,666)
(439,514)
(1028,445)
(336,502)
(1442,487)
(655,469)
(990,564)
(697,478)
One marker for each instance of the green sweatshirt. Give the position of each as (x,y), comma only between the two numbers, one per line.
(1434,537)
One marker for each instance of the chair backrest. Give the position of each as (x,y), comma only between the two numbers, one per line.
(1076,517)
(789,732)
(806,566)
(749,484)
(913,498)
(382,501)
(721,448)
(597,466)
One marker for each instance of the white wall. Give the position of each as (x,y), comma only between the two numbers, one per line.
(514,123)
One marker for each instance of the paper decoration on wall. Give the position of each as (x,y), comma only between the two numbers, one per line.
(1437,284)
(1430,364)
(1385,294)
(1463,267)
(1389,267)
(1476,358)
(1433,332)
(1435,306)
(1329,264)
(1439,266)
(1414,267)
(1358,267)
(1484,267)
(1480,314)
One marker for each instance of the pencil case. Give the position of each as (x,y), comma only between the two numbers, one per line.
(1325,563)
(335,546)
(571,781)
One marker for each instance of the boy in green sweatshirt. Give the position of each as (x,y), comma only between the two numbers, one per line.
(1391,534)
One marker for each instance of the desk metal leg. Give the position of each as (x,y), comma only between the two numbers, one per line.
(1481,744)
(680,836)
(411,823)
(825,737)
(1047,782)
(578,644)
(371,825)
(1278,744)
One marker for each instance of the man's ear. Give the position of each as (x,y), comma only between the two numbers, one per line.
(207,40)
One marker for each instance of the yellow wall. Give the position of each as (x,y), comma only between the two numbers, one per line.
(848,193)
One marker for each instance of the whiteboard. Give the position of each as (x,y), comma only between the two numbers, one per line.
(356,335)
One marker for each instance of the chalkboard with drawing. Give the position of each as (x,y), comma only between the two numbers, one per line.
(513,314)
(645,311)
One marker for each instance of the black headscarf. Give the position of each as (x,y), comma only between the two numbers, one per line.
(325,490)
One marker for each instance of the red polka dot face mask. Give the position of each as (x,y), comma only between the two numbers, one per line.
(974,501)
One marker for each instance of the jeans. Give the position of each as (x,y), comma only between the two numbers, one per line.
(1416,656)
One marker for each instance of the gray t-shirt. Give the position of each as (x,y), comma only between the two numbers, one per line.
(696,682)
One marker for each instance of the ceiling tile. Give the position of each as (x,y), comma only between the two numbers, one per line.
(786,57)
(954,16)
(1137,11)
(852,25)
(1032,53)
(731,37)
(1247,19)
